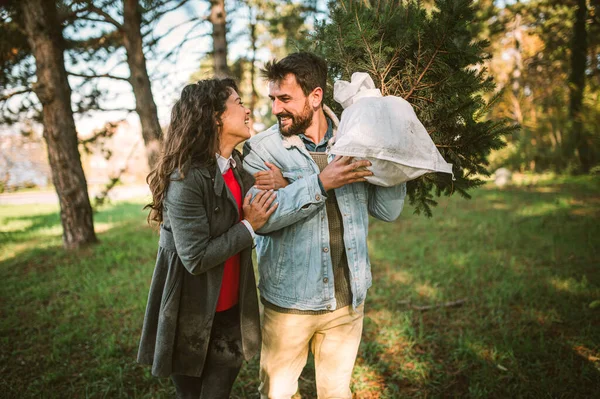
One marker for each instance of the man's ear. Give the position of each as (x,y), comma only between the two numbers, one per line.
(316,97)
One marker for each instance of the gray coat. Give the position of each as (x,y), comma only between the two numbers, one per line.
(200,231)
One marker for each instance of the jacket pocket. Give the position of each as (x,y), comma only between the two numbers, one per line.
(172,282)
(275,259)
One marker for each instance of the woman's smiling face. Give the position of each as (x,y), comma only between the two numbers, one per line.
(235,121)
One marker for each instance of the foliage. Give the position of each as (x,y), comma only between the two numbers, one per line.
(433,60)
(531,61)
(525,258)
(275,28)
(17,68)
(93,42)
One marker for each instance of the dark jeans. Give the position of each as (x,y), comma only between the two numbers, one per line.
(223,361)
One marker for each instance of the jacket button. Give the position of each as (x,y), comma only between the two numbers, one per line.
(318,197)
(217,209)
(325,280)
(325,249)
(328,307)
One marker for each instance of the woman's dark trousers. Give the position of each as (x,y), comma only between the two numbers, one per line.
(223,361)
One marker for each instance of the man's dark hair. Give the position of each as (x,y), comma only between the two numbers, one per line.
(310,71)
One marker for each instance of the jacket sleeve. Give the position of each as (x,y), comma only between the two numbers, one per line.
(386,203)
(195,247)
(298,200)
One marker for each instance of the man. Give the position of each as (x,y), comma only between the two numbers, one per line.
(312,253)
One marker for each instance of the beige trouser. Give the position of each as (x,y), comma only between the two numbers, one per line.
(333,338)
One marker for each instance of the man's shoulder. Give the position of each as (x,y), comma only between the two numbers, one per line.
(267,136)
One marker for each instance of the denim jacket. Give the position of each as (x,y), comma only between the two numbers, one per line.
(294,264)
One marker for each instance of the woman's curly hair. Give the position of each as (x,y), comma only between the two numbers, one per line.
(193,136)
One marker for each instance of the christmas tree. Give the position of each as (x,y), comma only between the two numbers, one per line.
(432,58)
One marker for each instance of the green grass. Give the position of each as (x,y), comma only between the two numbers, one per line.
(524,258)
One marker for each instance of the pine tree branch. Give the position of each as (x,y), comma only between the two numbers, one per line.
(93,76)
(15,93)
(107,17)
(156,6)
(163,12)
(429,100)
(105,40)
(341,50)
(117,65)
(101,20)
(414,87)
(368,48)
(418,50)
(388,69)
(123,109)
(175,50)
(95,107)
(155,40)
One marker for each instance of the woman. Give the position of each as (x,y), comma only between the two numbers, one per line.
(202,315)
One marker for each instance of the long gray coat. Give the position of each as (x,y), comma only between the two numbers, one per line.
(200,231)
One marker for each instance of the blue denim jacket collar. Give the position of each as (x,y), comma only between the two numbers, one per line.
(322,146)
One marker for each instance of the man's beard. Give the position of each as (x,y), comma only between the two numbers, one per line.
(300,122)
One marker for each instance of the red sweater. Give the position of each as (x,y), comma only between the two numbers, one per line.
(228,297)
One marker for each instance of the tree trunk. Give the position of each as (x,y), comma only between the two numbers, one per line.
(577,87)
(218,20)
(516,74)
(140,82)
(53,90)
(254,94)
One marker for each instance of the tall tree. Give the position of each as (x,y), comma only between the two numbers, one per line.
(579,52)
(89,45)
(44,34)
(432,59)
(218,19)
(129,31)
(549,36)
(140,82)
(279,26)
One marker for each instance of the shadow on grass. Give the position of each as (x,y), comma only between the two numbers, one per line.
(110,214)
(526,261)
(71,319)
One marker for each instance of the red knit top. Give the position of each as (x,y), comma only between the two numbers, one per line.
(228,297)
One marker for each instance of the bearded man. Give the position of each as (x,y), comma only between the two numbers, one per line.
(312,253)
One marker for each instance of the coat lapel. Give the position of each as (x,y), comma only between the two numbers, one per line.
(222,189)
(244,179)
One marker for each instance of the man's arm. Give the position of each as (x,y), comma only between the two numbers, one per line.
(298,200)
(386,203)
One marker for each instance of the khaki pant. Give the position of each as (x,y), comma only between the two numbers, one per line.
(333,338)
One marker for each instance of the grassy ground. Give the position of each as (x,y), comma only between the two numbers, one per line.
(525,260)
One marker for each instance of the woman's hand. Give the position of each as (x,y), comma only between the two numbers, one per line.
(260,209)
(271,179)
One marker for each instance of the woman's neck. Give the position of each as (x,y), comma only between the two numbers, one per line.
(226,149)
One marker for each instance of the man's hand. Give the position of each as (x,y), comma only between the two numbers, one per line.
(342,170)
(271,179)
